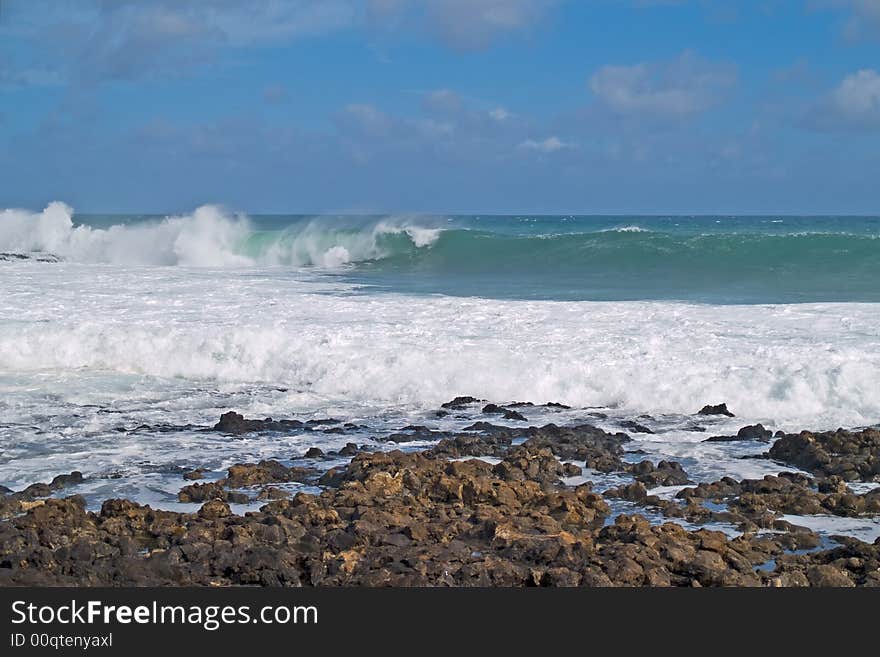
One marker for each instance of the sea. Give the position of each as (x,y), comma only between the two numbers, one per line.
(123,338)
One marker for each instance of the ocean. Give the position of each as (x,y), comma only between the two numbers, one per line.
(123,338)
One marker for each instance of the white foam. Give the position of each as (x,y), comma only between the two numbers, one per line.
(788,366)
(627,229)
(865,529)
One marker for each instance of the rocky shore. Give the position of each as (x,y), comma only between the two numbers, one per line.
(489,505)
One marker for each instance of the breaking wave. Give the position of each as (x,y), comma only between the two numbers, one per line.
(209,237)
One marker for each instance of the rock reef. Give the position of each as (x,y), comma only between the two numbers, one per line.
(444,516)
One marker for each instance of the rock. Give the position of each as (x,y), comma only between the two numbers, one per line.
(634,426)
(597,449)
(413,433)
(717,409)
(754,432)
(314,453)
(237,497)
(235,424)
(214,509)
(828,575)
(493,409)
(665,473)
(265,472)
(66,480)
(634,492)
(850,455)
(193,475)
(494,444)
(36,490)
(461,402)
(202,492)
(751,432)
(273,493)
(350,449)
(420,519)
(832,484)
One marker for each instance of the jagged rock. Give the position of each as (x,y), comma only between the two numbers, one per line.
(717,409)
(665,473)
(850,455)
(461,402)
(506,413)
(350,449)
(751,432)
(634,426)
(235,424)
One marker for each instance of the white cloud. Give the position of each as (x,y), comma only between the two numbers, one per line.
(853,105)
(128,39)
(29,78)
(864,20)
(548,145)
(443,101)
(365,120)
(499,114)
(275,94)
(463,24)
(683,86)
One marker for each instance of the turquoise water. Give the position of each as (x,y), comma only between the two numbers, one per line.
(609,258)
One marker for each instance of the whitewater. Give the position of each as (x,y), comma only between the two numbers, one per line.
(122,337)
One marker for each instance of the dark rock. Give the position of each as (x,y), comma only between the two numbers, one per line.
(66,480)
(751,432)
(265,472)
(193,475)
(473,445)
(828,575)
(273,493)
(850,455)
(413,433)
(665,473)
(461,402)
(237,497)
(314,453)
(350,449)
(322,422)
(419,519)
(494,409)
(634,492)
(718,409)
(202,492)
(635,426)
(235,424)
(213,509)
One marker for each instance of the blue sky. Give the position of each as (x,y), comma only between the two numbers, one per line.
(591,106)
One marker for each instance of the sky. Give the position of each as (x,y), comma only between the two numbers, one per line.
(442,106)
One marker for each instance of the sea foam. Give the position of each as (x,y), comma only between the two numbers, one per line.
(802,365)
